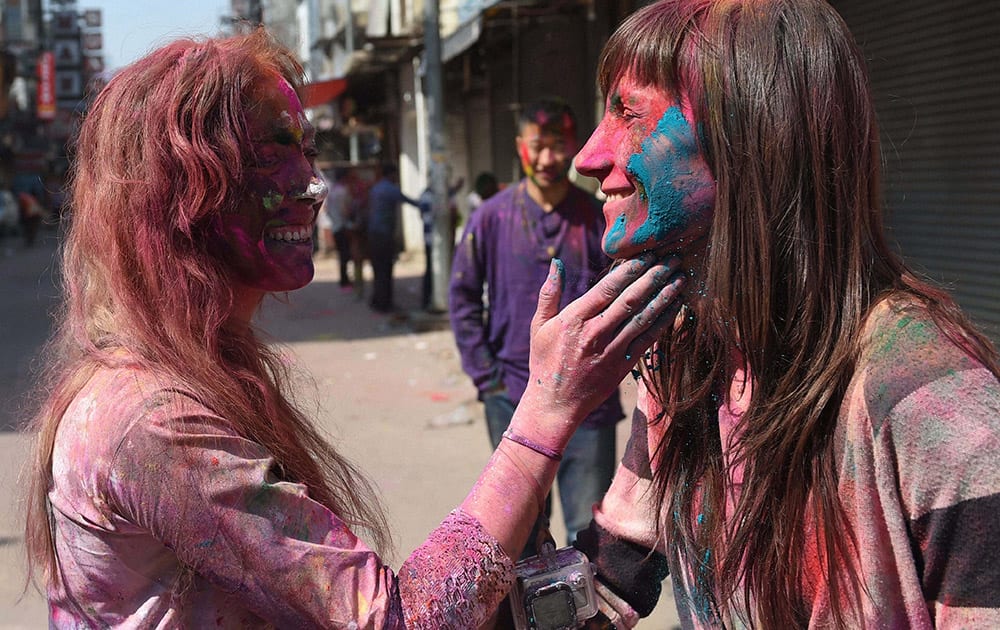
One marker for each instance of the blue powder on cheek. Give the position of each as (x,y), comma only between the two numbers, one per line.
(657,173)
(612,242)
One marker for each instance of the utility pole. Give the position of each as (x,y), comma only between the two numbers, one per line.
(443,241)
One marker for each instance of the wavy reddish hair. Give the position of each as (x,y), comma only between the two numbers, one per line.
(162,150)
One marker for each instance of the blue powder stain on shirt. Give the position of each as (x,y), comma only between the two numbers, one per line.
(666,202)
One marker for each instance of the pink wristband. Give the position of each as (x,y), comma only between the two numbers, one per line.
(538,448)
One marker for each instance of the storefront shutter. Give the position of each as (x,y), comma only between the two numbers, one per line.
(935,70)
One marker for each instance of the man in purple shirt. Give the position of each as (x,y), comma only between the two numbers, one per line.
(507,246)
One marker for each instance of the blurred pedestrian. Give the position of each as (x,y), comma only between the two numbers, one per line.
(507,246)
(384,201)
(426,202)
(32,215)
(356,227)
(484,187)
(338,207)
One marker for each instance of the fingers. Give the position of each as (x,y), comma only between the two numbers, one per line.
(549,295)
(611,286)
(645,300)
(661,313)
(643,310)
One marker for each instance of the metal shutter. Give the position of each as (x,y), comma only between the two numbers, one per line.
(935,70)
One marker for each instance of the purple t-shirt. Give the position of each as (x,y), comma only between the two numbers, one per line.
(507,246)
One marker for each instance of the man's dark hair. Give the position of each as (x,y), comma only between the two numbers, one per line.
(552,114)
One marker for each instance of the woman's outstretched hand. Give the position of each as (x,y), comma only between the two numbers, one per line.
(581,354)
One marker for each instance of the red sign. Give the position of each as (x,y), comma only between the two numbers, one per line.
(46,101)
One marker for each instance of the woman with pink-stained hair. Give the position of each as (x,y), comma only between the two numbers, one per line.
(174,482)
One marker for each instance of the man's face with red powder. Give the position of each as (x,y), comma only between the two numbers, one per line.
(268,240)
(546,148)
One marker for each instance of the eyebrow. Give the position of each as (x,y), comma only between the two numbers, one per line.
(285,135)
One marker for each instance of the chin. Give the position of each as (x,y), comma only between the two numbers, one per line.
(289,282)
(626,251)
(678,242)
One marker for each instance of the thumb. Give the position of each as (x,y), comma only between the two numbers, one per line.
(549,295)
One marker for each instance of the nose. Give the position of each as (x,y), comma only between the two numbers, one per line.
(596,156)
(546,156)
(315,192)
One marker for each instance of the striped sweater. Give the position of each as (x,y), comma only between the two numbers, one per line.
(918,448)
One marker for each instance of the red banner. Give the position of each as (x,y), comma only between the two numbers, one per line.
(46,103)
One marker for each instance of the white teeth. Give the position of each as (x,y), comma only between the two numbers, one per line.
(289,236)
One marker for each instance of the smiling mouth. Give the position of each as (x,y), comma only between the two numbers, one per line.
(290,234)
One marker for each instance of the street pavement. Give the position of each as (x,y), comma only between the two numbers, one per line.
(388,391)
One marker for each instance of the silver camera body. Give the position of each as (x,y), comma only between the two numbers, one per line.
(553,591)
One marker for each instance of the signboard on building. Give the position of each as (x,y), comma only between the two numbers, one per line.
(92,42)
(46,97)
(92,18)
(93,65)
(65,23)
(68,84)
(66,52)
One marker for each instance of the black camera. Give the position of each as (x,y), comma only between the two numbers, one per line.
(554,590)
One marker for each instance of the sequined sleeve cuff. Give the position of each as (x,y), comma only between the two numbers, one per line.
(456,579)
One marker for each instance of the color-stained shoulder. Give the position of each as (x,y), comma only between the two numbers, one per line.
(109,407)
(114,400)
(905,351)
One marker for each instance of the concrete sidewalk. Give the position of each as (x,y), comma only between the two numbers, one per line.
(395,400)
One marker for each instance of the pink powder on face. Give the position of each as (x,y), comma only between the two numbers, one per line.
(659,186)
(268,241)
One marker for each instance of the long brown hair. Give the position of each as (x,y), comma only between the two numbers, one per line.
(797,260)
(162,150)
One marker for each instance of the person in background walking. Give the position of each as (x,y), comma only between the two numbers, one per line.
(383,225)
(337,207)
(426,201)
(483,188)
(507,245)
(355,227)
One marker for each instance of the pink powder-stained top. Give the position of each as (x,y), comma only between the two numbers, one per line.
(917,444)
(166,517)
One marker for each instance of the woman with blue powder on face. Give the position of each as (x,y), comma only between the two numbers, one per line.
(817,442)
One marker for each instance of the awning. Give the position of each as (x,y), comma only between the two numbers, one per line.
(461,39)
(322,92)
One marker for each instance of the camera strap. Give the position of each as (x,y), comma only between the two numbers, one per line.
(544,543)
